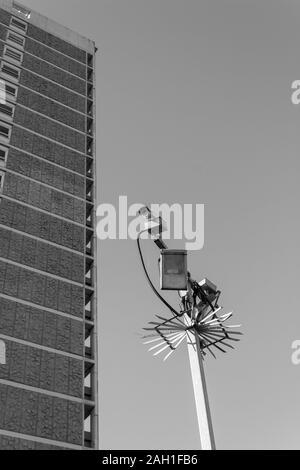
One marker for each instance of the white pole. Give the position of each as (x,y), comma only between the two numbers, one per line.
(200,390)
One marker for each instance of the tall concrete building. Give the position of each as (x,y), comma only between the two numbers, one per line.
(48,321)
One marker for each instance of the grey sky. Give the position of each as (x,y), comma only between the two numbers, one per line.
(194,106)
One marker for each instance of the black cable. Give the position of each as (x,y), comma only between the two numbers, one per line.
(149,280)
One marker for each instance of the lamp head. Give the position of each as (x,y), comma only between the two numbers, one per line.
(145,212)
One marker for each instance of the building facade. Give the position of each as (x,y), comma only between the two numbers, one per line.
(48,320)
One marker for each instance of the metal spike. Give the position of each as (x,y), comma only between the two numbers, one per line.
(210,315)
(164,342)
(211,352)
(167,346)
(160,337)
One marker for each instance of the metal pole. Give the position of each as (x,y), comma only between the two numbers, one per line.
(200,391)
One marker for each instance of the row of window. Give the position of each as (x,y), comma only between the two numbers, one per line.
(14,56)
(11,53)
(6,108)
(8,68)
(13,50)
(11,72)
(89,381)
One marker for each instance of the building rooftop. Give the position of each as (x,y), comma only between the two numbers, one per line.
(52,27)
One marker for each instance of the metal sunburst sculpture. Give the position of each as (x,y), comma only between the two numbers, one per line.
(199,315)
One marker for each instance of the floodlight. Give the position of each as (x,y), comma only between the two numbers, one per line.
(145,212)
(155,225)
(173,270)
(209,286)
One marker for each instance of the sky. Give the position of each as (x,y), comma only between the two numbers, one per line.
(194,106)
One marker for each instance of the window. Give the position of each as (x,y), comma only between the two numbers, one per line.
(15,39)
(90,91)
(89,168)
(90,60)
(89,108)
(10,70)
(18,24)
(22,10)
(13,54)
(89,247)
(90,126)
(90,74)
(10,90)
(7,109)
(89,146)
(5,130)
(3,153)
